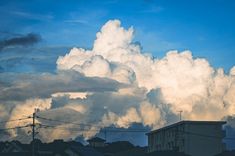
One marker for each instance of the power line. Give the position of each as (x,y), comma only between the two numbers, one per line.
(66,128)
(4,129)
(13,120)
(99,128)
(90,125)
(82,129)
(59,121)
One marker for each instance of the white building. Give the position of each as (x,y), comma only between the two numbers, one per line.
(196,138)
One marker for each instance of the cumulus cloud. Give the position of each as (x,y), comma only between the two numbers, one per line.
(154,91)
(151,110)
(130,117)
(26,109)
(185,82)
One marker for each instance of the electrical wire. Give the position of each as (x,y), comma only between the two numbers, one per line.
(82,129)
(90,125)
(99,128)
(13,120)
(65,128)
(54,120)
(18,127)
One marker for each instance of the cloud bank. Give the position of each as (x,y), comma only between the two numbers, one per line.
(142,89)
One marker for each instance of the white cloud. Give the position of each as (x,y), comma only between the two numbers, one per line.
(156,88)
(151,115)
(24,110)
(186,83)
(130,117)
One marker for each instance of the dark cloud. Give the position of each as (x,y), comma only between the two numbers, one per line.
(26,40)
(26,86)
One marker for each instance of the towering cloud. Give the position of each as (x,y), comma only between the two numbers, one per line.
(186,83)
(145,90)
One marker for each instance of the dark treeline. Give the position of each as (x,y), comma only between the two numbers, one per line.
(96,147)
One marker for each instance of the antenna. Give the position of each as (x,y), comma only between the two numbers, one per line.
(180,113)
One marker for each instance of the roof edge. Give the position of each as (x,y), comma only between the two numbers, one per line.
(187,122)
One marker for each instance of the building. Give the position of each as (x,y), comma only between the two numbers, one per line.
(96,142)
(196,138)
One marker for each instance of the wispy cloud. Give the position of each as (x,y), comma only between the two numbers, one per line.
(76,21)
(152,9)
(32,16)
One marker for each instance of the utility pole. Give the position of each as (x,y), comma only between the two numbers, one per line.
(33,133)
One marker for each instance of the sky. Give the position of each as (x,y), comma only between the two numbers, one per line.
(204,27)
(116,63)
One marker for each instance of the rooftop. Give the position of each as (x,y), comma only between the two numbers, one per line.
(96,139)
(188,122)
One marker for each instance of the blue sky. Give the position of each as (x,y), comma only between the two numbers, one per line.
(204,27)
(34,33)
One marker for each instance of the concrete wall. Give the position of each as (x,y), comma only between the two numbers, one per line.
(195,139)
(164,140)
(203,140)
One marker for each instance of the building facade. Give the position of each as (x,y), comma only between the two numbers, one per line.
(196,138)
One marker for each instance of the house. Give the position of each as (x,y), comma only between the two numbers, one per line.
(194,138)
(96,142)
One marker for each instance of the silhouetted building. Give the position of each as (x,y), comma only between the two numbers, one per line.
(96,142)
(121,148)
(227,153)
(196,138)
